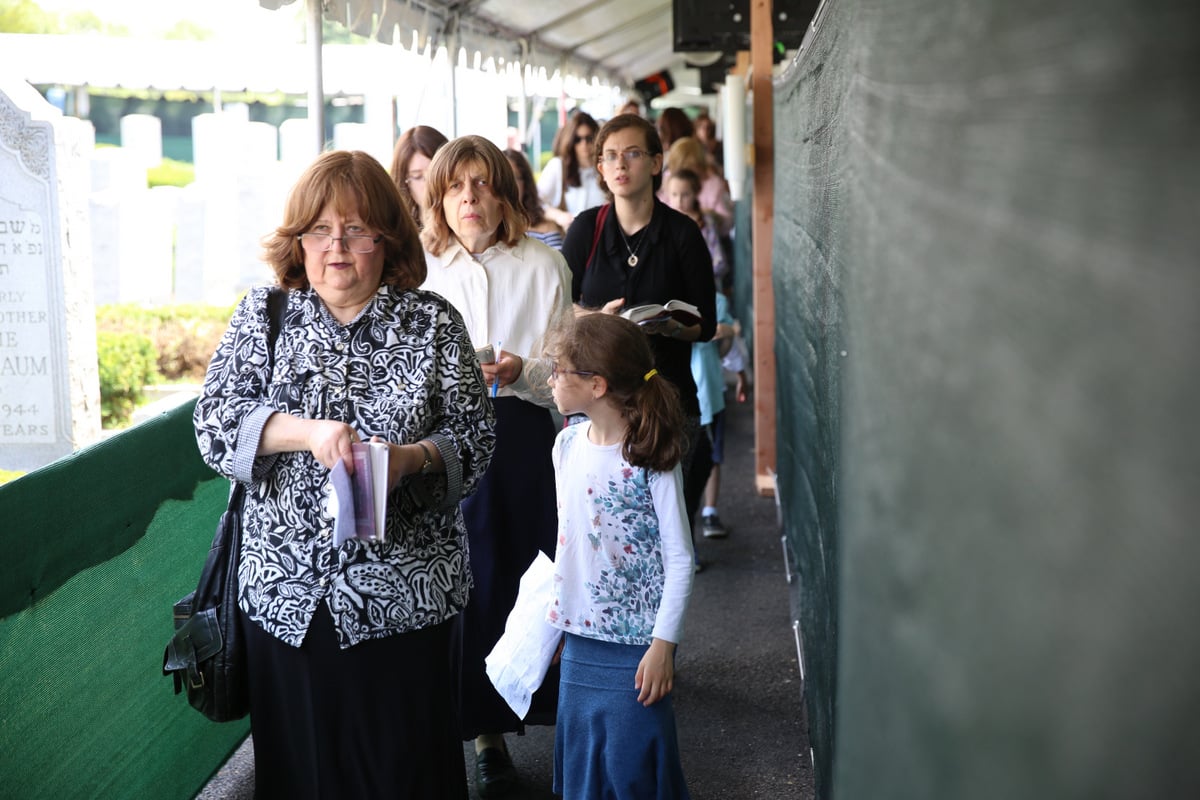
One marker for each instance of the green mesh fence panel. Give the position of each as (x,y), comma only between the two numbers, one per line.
(810,170)
(90,506)
(84,709)
(990,209)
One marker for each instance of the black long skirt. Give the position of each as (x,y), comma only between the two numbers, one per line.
(374,720)
(509,518)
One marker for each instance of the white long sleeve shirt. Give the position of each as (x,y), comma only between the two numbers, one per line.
(578,198)
(623,564)
(510,295)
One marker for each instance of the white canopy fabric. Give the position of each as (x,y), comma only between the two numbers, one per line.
(187,65)
(619,41)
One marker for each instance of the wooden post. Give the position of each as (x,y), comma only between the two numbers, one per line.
(762,41)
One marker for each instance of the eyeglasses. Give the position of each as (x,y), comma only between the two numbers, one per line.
(628,156)
(353,242)
(555,372)
(415,177)
(591,137)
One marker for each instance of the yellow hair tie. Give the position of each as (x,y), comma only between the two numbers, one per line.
(649,375)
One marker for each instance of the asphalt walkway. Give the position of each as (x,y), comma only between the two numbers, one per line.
(738,695)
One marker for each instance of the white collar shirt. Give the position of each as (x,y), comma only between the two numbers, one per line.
(509,295)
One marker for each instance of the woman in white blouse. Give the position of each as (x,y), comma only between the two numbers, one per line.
(569,182)
(510,289)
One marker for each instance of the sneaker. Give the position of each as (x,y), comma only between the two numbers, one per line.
(712,527)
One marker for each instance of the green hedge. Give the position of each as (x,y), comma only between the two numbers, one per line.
(184,336)
(127,364)
(171,173)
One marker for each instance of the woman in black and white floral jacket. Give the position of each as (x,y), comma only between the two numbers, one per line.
(351,695)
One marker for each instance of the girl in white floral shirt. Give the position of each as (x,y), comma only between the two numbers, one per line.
(623,565)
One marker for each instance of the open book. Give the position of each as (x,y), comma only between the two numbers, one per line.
(685,313)
(358,502)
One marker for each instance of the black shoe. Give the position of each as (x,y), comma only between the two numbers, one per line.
(712,527)
(495,775)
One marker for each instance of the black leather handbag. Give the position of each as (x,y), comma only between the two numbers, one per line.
(207,654)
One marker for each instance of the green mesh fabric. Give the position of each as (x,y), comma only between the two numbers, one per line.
(84,709)
(986,285)
(90,506)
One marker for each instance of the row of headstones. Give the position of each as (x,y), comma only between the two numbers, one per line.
(78,226)
(200,243)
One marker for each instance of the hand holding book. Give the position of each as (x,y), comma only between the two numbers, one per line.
(358,502)
(650,313)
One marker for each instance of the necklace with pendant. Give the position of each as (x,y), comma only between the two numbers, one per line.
(633,259)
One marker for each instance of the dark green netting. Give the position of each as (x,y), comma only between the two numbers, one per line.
(90,506)
(810,186)
(84,709)
(988,303)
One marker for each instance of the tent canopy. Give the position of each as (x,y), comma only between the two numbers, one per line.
(619,41)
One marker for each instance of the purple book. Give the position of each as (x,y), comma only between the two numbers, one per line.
(363,484)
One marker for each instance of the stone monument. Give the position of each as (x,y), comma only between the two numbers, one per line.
(49,384)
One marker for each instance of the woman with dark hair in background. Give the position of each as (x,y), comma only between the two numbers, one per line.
(542,228)
(569,184)
(414,150)
(673,123)
(706,132)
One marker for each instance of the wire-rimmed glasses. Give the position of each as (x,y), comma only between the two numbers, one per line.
(628,156)
(555,372)
(352,242)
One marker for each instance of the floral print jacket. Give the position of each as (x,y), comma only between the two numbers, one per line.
(402,370)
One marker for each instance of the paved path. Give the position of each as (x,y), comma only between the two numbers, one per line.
(738,694)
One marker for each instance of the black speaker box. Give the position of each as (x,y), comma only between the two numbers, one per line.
(724,25)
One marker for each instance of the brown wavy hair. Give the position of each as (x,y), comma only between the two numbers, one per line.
(531,203)
(674,123)
(566,147)
(502,182)
(618,350)
(619,123)
(418,139)
(347,178)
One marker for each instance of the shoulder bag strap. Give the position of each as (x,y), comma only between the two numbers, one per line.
(276,303)
(601,215)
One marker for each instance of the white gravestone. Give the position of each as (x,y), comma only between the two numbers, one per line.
(207,216)
(235,200)
(141,134)
(49,385)
(133,247)
(117,169)
(296,147)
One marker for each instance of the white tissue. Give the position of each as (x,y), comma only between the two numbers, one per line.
(518,663)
